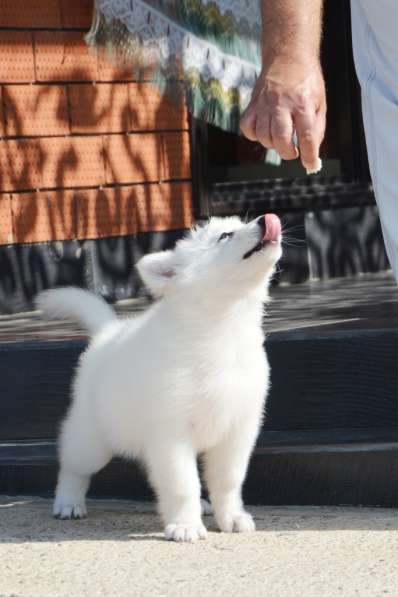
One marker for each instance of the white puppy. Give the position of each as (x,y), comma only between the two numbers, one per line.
(189,377)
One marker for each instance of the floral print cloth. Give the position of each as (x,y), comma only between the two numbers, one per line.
(205,50)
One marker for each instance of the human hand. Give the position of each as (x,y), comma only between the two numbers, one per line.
(289,97)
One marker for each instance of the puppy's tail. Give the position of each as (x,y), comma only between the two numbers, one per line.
(76,304)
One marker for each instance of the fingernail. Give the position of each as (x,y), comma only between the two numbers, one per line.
(317,167)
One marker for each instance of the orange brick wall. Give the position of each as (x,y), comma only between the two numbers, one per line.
(85,151)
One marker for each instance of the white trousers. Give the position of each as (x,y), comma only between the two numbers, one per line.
(375,40)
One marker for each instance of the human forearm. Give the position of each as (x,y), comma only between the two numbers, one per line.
(289,95)
(291,30)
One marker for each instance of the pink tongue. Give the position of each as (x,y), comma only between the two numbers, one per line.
(273,228)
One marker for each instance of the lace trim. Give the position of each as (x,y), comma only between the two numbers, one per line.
(136,32)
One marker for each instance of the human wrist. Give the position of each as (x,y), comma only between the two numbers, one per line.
(289,58)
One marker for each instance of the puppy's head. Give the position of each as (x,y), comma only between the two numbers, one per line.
(226,257)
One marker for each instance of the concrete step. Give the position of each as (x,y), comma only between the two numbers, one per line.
(331,431)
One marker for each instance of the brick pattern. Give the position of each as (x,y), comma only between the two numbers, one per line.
(42,14)
(100,108)
(43,216)
(159,113)
(46,106)
(57,162)
(111,71)
(76,14)
(84,149)
(2,118)
(72,162)
(6,232)
(164,207)
(23,14)
(132,158)
(176,156)
(84,161)
(117,107)
(64,56)
(20,165)
(88,214)
(16,57)
(100,213)
(128,210)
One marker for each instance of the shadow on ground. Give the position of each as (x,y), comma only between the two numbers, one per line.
(29,520)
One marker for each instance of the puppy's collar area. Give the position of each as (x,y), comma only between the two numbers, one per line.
(270,233)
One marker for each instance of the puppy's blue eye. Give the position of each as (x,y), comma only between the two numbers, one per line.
(225,235)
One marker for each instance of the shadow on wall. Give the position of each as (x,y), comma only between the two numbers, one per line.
(82,161)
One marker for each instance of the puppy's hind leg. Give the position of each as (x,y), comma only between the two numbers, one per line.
(82,453)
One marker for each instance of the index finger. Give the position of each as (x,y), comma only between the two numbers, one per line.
(309,139)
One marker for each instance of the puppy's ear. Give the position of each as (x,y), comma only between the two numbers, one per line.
(157,271)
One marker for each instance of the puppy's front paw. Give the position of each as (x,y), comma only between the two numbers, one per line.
(236,522)
(185,532)
(68,511)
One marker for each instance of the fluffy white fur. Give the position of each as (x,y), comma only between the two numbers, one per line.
(189,377)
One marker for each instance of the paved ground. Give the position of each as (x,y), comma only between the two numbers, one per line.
(119,551)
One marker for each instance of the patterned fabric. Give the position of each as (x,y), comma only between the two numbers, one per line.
(209,49)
